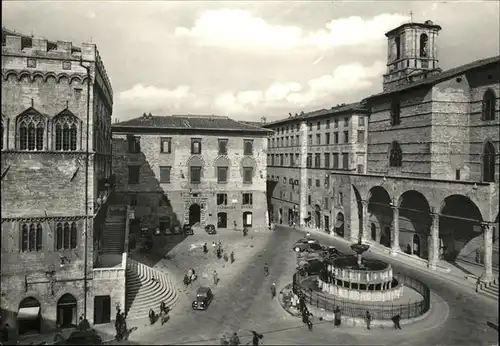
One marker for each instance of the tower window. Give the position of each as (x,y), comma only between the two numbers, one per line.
(489,105)
(489,162)
(424,50)
(397,41)
(395,111)
(395,155)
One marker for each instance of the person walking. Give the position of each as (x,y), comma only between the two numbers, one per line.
(266,269)
(368,319)
(396,319)
(478,283)
(232,257)
(338,317)
(273,290)
(205,248)
(216,277)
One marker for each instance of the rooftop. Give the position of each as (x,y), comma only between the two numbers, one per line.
(27,40)
(189,121)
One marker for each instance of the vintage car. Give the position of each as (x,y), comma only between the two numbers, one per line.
(204,297)
(210,229)
(187,229)
(307,245)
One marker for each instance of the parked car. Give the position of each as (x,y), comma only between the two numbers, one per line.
(187,229)
(204,297)
(309,245)
(210,229)
(82,337)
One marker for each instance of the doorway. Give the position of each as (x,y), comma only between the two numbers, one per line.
(317,216)
(290,216)
(28,316)
(66,311)
(385,237)
(327,223)
(102,309)
(339,225)
(416,245)
(194,214)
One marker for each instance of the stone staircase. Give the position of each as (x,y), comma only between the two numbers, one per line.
(143,293)
(490,289)
(114,232)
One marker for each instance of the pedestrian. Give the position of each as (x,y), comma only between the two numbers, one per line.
(186,280)
(226,258)
(368,319)
(205,248)
(256,337)
(338,316)
(216,277)
(235,340)
(478,283)
(83,324)
(396,319)
(273,290)
(266,269)
(219,255)
(232,257)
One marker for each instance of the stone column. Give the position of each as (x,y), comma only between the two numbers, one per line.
(433,241)
(364,229)
(488,250)
(395,229)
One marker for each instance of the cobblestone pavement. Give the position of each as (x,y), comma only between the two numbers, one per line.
(243,303)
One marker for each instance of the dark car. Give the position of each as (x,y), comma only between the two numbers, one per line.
(82,337)
(204,297)
(187,229)
(311,245)
(210,229)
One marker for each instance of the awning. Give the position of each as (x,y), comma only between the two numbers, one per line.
(339,224)
(28,313)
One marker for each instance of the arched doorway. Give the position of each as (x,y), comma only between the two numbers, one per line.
(416,250)
(194,214)
(339,225)
(29,316)
(221,220)
(373,232)
(66,311)
(414,220)
(317,216)
(460,230)
(379,208)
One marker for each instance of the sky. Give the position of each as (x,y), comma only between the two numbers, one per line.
(249,60)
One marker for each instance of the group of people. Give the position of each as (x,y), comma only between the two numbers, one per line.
(234,340)
(190,277)
(163,314)
(219,251)
(120,325)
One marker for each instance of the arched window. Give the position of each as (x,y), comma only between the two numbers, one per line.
(66,235)
(65,133)
(31,237)
(396,155)
(31,132)
(489,105)
(489,162)
(424,41)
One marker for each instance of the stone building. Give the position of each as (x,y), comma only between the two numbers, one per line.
(303,150)
(56,107)
(430,187)
(192,169)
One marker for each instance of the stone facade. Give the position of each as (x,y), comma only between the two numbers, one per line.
(165,199)
(44,177)
(430,185)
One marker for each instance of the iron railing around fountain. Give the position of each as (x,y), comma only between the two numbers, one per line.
(378,311)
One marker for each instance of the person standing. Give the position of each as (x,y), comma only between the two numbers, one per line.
(232,257)
(273,290)
(216,277)
(338,316)
(266,269)
(368,319)
(205,248)
(396,320)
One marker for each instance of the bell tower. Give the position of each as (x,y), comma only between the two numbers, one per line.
(412,53)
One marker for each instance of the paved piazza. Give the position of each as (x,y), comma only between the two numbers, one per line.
(243,302)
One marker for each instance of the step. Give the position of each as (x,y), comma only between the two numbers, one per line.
(151,299)
(143,305)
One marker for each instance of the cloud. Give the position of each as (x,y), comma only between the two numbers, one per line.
(151,97)
(239,28)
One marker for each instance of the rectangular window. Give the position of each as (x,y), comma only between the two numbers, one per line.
(222,174)
(345,160)
(247,199)
(309,182)
(327,182)
(222,199)
(248,146)
(335,160)
(66,65)
(328,124)
(222,146)
(361,136)
(317,160)
(457,174)
(336,123)
(327,160)
(133,174)
(346,122)
(195,175)
(165,174)
(291,160)
(327,138)
(247,175)
(326,203)
(318,139)
(272,159)
(361,121)
(132,199)
(297,159)
(195,146)
(134,144)
(309,140)
(309,160)
(318,125)
(166,145)
(309,199)
(297,140)
(346,136)
(282,160)
(318,183)
(336,138)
